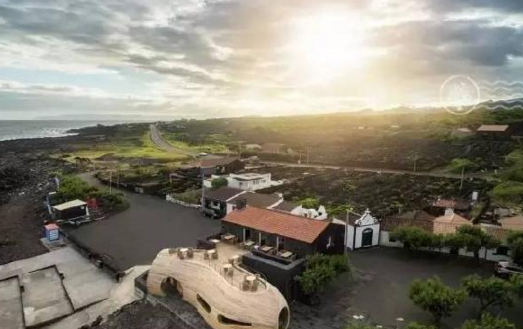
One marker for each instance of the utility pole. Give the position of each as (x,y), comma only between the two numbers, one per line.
(346,231)
(240,150)
(415,162)
(110,181)
(308,155)
(462,178)
(203,187)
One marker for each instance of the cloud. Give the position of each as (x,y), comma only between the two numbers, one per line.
(229,57)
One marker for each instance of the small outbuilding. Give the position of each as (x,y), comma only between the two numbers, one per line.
(362,231)
(71,210)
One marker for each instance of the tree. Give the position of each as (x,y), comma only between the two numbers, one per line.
(457,165)
(320,270)
(310,203)
(515,243)
(219,182)
(415,325)
(359,325)
(517,285)
(413,237)
(455,242)
(435,297)
(474,238)
(491,292)
(488,321)
(508,194)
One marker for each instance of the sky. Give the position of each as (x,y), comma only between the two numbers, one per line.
(138,59)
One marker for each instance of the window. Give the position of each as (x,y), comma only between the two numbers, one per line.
(502,250)
(203,304)
(283,319)
(230,322)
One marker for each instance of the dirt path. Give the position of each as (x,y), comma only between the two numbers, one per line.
(157,139)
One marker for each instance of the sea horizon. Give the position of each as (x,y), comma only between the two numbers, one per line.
(47,128)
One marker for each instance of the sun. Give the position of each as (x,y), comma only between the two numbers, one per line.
(326,44)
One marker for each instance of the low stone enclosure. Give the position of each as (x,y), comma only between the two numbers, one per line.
(492,255)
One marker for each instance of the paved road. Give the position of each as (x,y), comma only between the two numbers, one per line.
(375,170)
(136,235)
(157,139)
(163,144)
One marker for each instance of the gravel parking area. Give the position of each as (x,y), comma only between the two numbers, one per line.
(136,235)
(380,292)
(140,315)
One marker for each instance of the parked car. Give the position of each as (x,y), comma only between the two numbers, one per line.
(507,269)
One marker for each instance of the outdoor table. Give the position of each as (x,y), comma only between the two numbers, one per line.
(235,258)
(227,268)
(229,237)
(266,248)
(250,279)
(248,243)
(211,253)
(215,241)
(286,254)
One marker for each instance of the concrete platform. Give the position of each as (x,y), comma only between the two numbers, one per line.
(11,313)
(44,298)
(56,284)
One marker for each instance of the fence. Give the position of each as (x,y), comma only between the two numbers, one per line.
(170,198)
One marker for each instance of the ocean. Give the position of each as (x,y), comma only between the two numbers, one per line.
(19,129)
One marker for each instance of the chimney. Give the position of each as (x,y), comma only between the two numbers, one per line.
(241,204)
(449,212)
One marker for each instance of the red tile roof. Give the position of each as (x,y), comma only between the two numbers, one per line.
(453,204)
(275,222)
(493,128)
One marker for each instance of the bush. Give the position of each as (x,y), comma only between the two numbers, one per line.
(508,194)
(515,242)
(72,188)
(457,165)
(414,237)
(491,292)
(320,270)
(219,182)
(435,297)
(310,203)
(488,322)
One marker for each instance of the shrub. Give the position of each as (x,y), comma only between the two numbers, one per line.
(491,292)
(488,321)
(457,165)
(413,237)
(310,203)
(219,182)
(435,297)
(320,270)
(508,193)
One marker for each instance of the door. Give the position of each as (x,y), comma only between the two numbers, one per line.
(366,237)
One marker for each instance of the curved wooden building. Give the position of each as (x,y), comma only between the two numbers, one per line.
(226,295)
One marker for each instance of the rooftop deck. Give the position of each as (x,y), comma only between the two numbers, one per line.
(225,259)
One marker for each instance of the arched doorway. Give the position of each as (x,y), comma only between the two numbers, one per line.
(171,286)
(366,237)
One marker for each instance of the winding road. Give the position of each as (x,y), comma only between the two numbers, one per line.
(157,139)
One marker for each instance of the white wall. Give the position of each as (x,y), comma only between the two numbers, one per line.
(350,236)
(490,253)
(375,234)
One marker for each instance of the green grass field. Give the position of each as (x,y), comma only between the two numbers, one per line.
(125,147)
